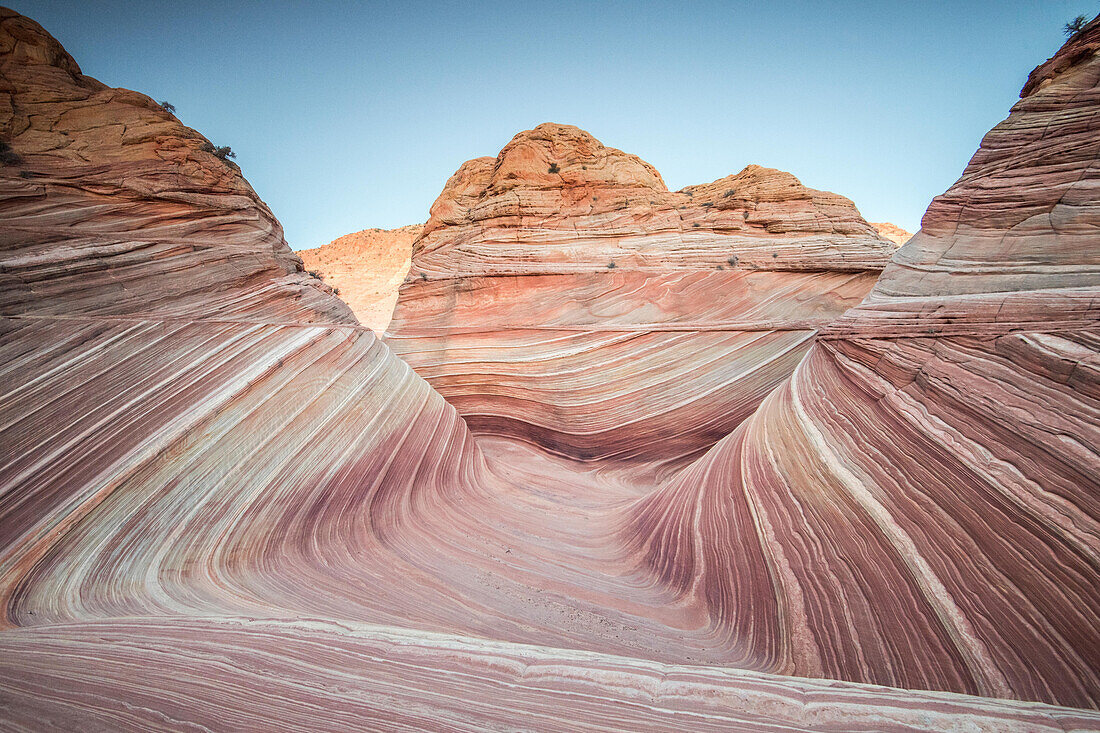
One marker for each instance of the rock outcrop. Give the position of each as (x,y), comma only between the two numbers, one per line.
(366,269)
(919,504)
(557,201)
(115,207)
(223,503)
(562,294)
(893,232)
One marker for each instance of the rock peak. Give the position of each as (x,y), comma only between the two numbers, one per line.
(554,155)
(25,42)
(552,183)
(1081,47)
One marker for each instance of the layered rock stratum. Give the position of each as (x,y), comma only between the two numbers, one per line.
(226,504)
(366,269)
(562,294)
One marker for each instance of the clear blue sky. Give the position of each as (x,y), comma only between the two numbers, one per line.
(349,115)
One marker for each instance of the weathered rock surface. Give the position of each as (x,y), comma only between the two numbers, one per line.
(116,207)
(560,293)
(951,424)
(223,503)
(305,675)
(893,232)
(366,268)
(556,200)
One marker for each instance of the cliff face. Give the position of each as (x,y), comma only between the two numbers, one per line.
(561,294)
(936,448)
(225,504)
(366,268)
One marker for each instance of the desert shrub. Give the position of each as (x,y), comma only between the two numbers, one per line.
(1075,26)
(224,152)
(9,156)
(732,261)
(554,168)
(168,107)
(611,265)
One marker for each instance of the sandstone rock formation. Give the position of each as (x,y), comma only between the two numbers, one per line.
(951,422)
(152,220)
(560,293)
(893,232)
(366,268)
(223,503)
(555,200)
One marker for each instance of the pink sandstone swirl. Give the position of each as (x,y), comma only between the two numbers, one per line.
(224,504)
(918,505)
(560,293)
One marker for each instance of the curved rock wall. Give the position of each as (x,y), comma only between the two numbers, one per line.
(223,503)
(115,208)
(918,505)
(561,294)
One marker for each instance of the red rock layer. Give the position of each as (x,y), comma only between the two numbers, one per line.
(918,505)
(556,200)
(561,294)
(366,269)
(217,508)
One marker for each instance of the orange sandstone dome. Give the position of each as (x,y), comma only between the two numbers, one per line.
(555,200)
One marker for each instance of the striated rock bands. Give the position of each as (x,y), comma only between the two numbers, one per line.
(224,503)
(117,208)
(950,423)
(561,294)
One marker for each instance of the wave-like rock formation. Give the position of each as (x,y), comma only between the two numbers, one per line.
(225,504)
(153,673)
(918,505)
(366,269)
(561,293)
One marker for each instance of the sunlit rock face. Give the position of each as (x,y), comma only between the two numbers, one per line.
(225,504)
(365,269)
(561,294)
(893,232)
(118,209)
(917,506)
